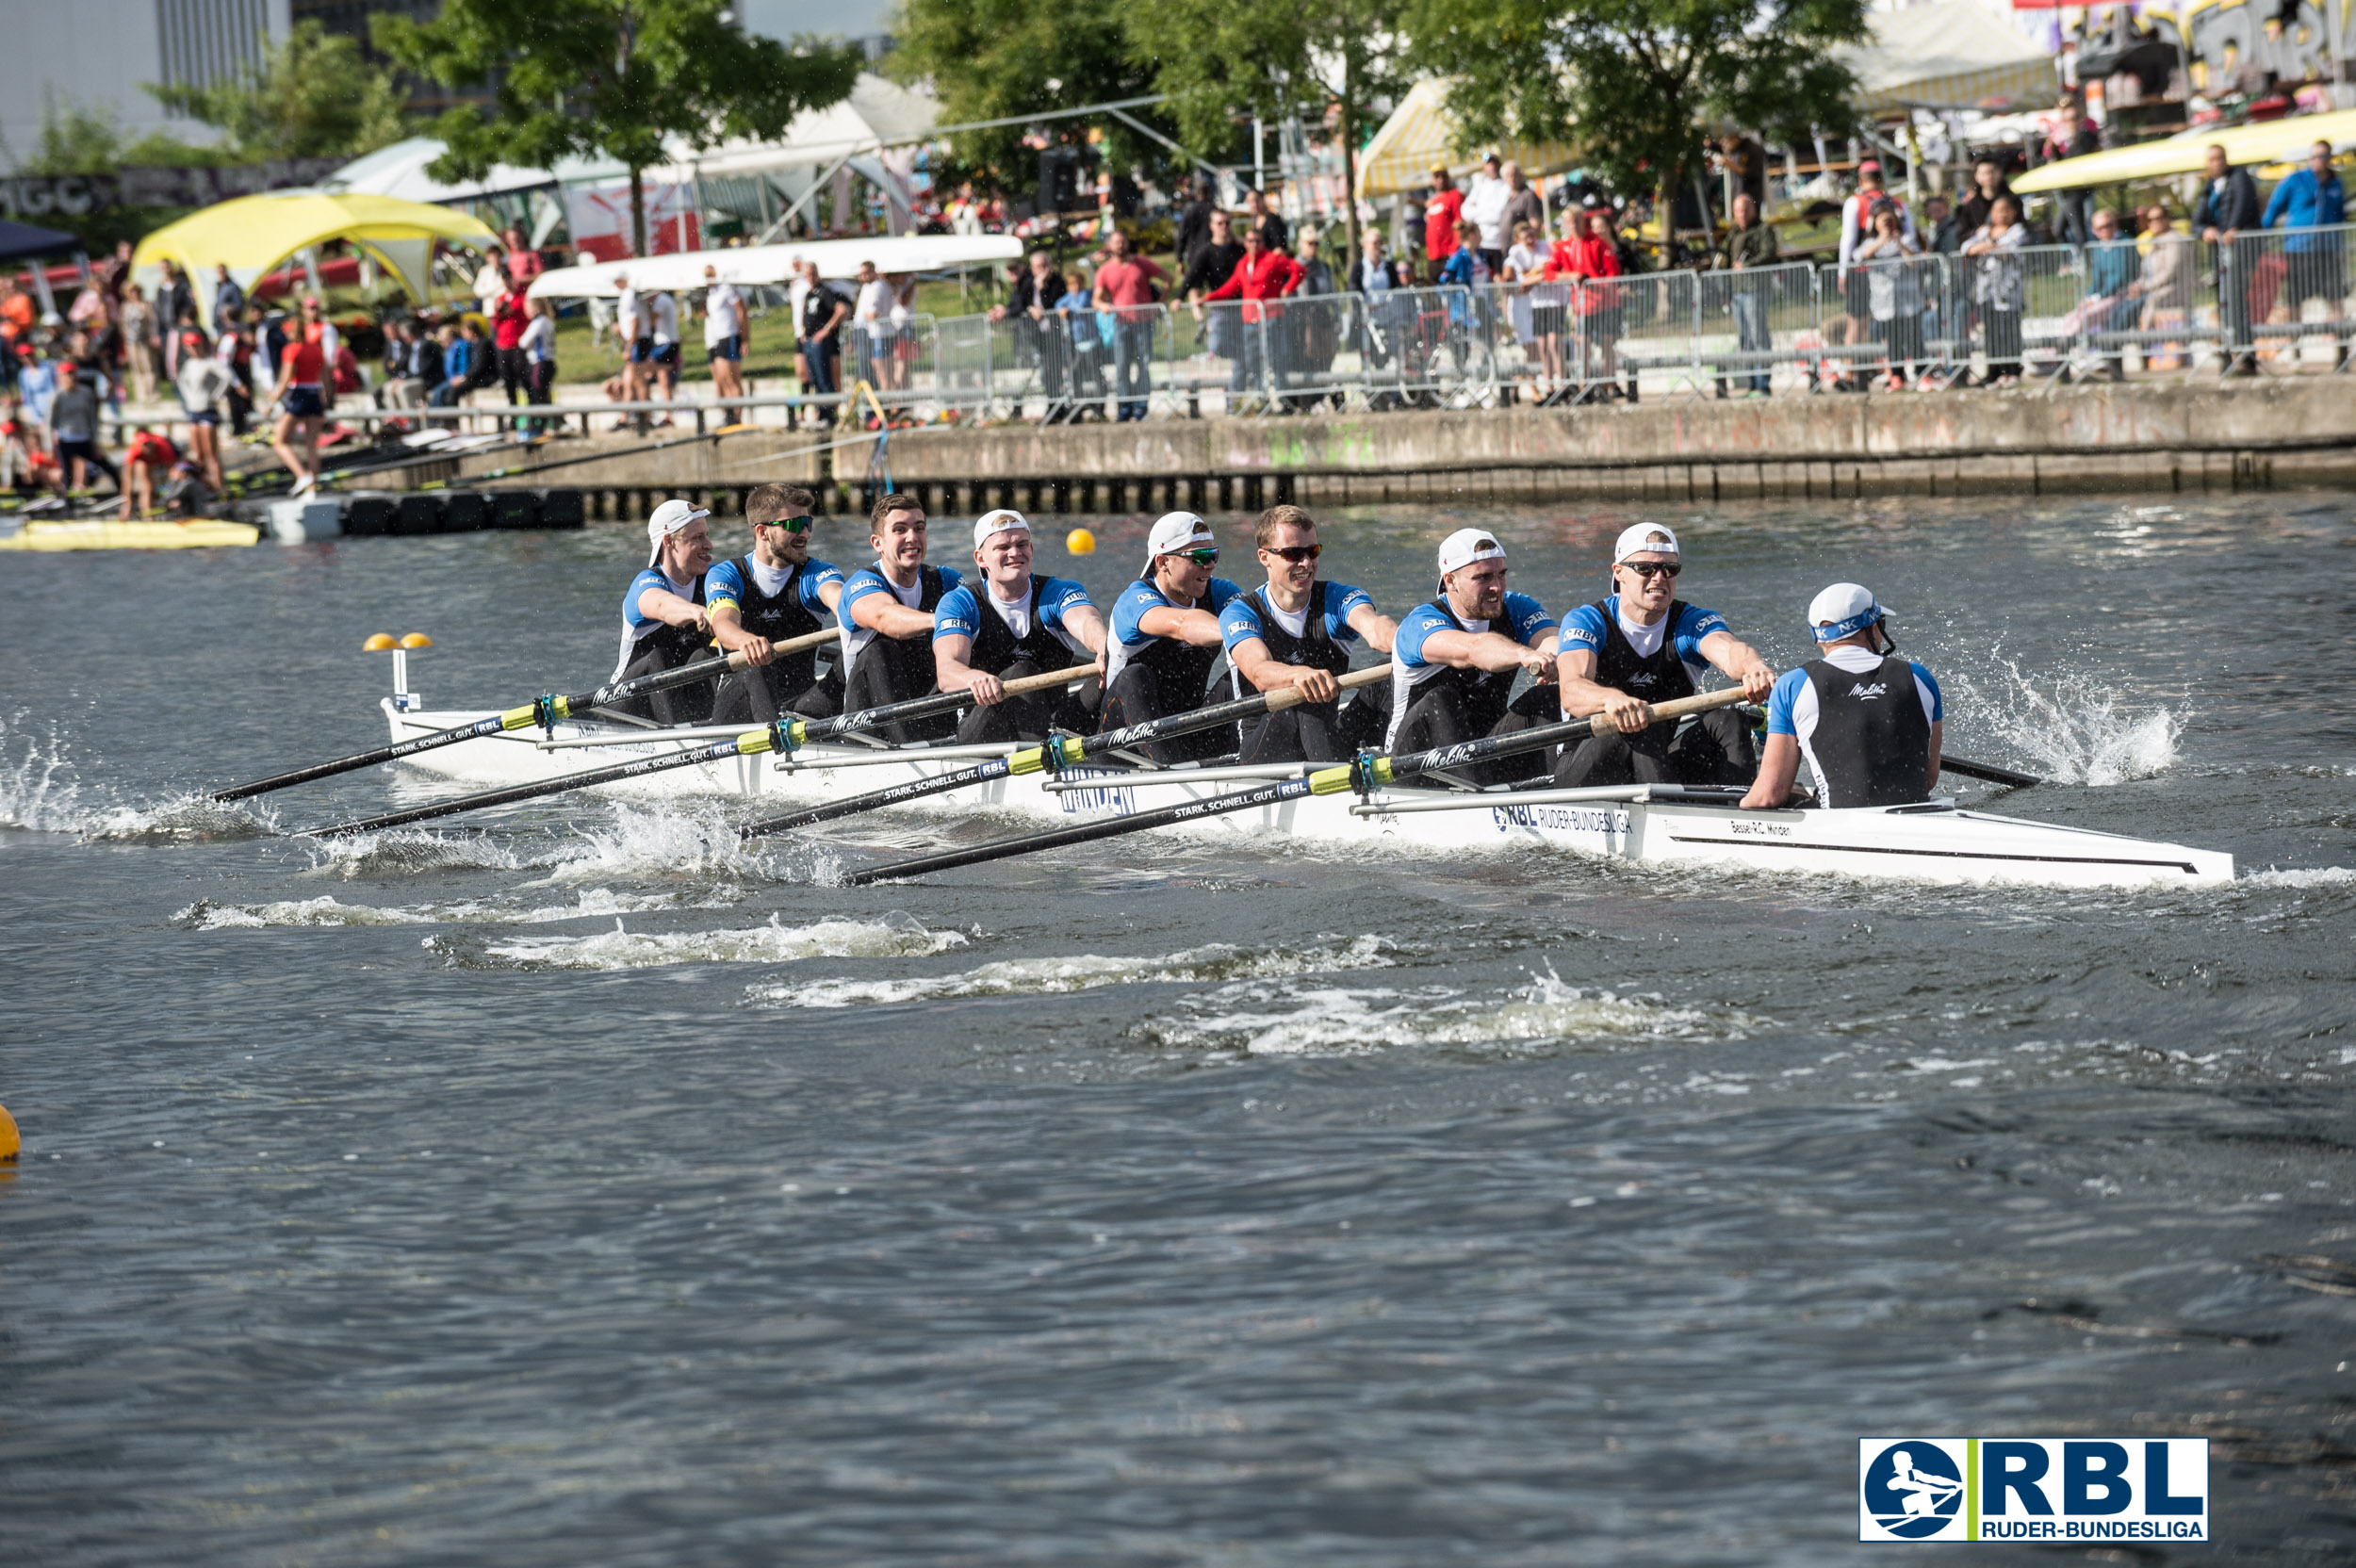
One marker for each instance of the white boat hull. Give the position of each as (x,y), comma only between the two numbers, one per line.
(1932,842)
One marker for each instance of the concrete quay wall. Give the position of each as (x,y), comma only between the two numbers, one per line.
(2259,434)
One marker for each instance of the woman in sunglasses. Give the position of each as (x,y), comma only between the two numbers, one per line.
(1297,630)
(1644,645)
(775,592)
(1166,638)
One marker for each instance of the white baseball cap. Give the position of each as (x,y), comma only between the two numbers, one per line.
(1004,520)
(1466,545)
(1174,532)
(668,519)
(1645,538)
(1842,610)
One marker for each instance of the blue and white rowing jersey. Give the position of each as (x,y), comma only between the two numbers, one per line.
(1240,622)
(1586,628)
(959,611)
(636,624)
(1126,640)
(1791,706)
(1524,621)
(725,584)
(869,580)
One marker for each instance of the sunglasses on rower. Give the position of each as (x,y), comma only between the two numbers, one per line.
(1201,558)
(1648,568)
(790,525)
(1296,553)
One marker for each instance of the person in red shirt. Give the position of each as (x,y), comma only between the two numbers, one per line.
(509,317)
(1262,275)
(1589,254)
(1124,285)
(1442,211)
(302,396)
(146,462)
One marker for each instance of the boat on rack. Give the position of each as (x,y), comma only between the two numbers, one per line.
(1935,841)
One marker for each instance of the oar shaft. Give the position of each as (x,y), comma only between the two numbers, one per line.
(937,702)
(393,753)
(714,752)
(1987,773)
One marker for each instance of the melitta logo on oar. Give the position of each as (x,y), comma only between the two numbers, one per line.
(2041,1489)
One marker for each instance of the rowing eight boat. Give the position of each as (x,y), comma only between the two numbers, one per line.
(1936,842)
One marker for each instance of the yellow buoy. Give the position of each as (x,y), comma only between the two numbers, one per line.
(381,643)
(417,639)
(9,1142)
(1080,542)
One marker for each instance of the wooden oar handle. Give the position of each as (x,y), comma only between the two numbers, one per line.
(1053,680)
(1676,707)
(792,644)
(1289,697)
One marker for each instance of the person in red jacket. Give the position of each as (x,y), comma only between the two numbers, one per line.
(148,460)
(1589,254)
(509,317)
(302,396)
(1262,275)
(1442,211)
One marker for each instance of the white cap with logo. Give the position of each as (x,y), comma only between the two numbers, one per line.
(1004,520)
(1645,539)
(669,519)
(1466,545)
(1843,610)
(1175,531)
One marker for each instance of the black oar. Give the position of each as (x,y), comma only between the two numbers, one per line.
(1987,773)
(1372,772)
(781,736)
(548,710)
(1067,749)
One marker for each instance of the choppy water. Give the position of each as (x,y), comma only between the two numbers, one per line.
(578,1189)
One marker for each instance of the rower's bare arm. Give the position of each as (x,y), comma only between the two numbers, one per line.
(1583,698)
(1086,623)
(1937,730)
(1740,662)
(830,595)
(1375,627)
(1199,627)
(1485,650)
(660,604)
(1779,767)
(1265,673)
(951,672)
(887,616)
(727,630)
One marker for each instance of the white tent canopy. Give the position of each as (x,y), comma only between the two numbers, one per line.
(398,172)
(1948,55)
(775,264)
(878,114)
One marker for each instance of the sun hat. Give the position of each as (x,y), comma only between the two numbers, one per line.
(1640,538)
(1004,520)
(667,519)
(1174,532)
(1466,545)
(1842,610)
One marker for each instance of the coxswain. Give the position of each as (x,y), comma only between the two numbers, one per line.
(767,596)
(1296,629)
(664,623)
(1641,644)
(1454,661)
(1010,624)
(1166,638)
(1849,712)
(886,615)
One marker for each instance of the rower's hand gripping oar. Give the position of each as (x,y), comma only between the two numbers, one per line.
(1366,773)
(784,735)
(542,711)
(1059,753)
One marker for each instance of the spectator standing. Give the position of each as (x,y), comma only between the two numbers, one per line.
(2310,197)
(235,350)
(204,385)
(1442,211)
(1588,258)
(2000,286)
(2166,284)
(870,308)
(1988,185)
(301,392)
(1857,223)
(1260,275)
(1746,160)
(2229,205)
(1276,233)
(138,343)
(73,423)
(1078,310)
(1315,336)
(508,320)
(725,330)
(174,303)
(1893,294)
(824,312)
(1946,229)
(523,262)
(1752,245)
(1125,285)
(662,309)
(1525,271)
(1378,281)
(490,279)
(2071,136)
(538,345)
(228,298)
(1215,262)
(1194,225)
(1039,336)
(2111,305)
(1523,205)
(1485,201)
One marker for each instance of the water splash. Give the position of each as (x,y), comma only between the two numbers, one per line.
(211,915)
(896,935)
(41,791)
(1210,965)
(2078,732)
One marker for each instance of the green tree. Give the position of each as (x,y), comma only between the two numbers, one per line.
(1219,61)
(1633,83)
(313,95)
(611,77)
(1000,59)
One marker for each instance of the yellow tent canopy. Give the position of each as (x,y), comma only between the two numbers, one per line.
(254,234)
(1421,134)
(2273,142)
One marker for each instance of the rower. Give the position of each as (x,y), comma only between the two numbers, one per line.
(1031,625)
(1452,676)
(1297,631)
(775,592)
(664,624)
(886,615)
(1865,742)
(1166,638)
(1641,644)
